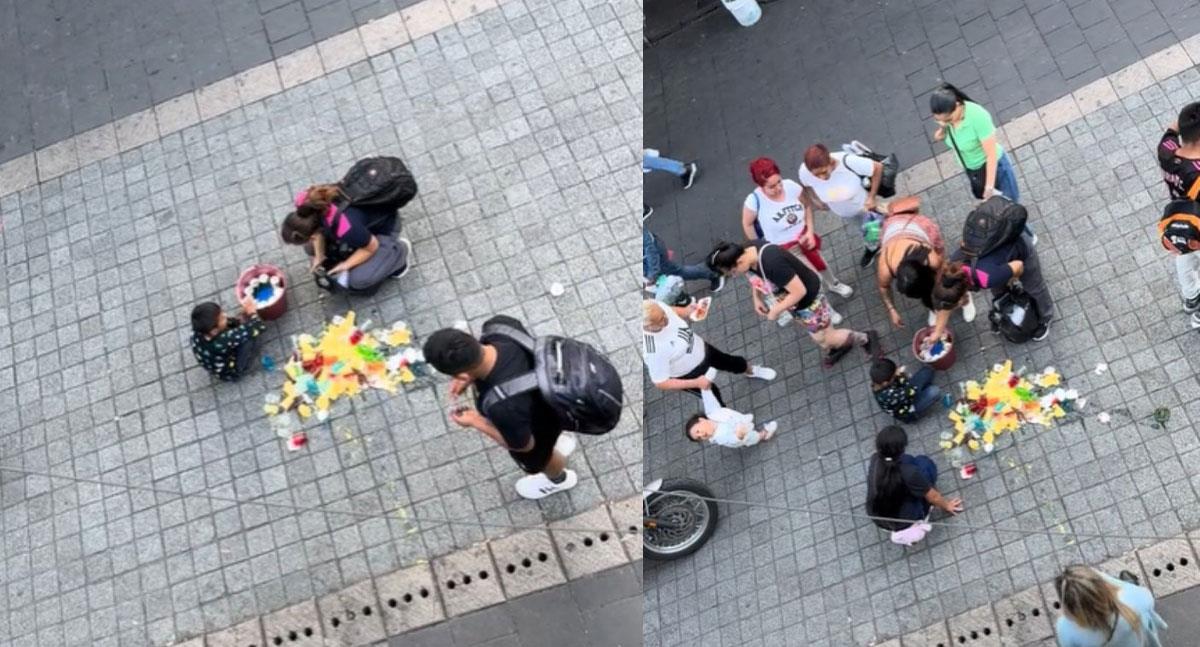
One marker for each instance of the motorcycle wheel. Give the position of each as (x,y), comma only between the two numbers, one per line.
(682,520)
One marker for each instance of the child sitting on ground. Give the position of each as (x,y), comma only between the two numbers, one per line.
(724,426)
(227,350)
(905,399)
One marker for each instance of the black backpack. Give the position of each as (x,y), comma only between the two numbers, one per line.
(1179,227)
(379,182)
(574,378)
(996,222)
(1014,315)
(891,168)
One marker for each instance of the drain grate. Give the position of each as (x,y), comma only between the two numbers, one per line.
(585,553)
(352,615)
(1170,567)
(467,580)
(409,599)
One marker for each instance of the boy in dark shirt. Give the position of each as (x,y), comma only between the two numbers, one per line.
(524,424)
(226,350)
(904,399)
(1179,159)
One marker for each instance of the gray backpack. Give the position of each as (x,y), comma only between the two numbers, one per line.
(575,379)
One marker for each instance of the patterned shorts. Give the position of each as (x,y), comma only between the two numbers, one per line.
(816,317)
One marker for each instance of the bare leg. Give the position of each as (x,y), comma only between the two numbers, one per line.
(556,465)
(837,338)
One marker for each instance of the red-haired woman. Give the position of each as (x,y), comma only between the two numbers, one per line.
(779,212)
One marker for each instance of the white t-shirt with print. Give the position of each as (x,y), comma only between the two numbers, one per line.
(781,222)
(673,351)
(843,192)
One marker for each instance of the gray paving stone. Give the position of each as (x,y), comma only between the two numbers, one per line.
(526,562)
(298,624)
(586,552)
(352,615)
(467,580)
(410,599)
(113,399)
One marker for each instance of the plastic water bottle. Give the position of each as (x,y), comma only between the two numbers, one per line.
(746,12)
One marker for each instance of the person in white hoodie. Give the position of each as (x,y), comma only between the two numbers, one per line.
(723,426)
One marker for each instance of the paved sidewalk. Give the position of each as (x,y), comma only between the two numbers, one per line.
(521,129)
(82,64)
(1179,610)
(602,610)
(773,577)
(832,71)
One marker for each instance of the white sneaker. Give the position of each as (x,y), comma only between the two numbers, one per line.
(932,318)
(408,258)
(969,309)
(566,444)
(835,317)
(769,430)
(538,486)
(762,373)
(1195,319)
(840,289)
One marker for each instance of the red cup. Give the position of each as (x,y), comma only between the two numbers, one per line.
(968,470)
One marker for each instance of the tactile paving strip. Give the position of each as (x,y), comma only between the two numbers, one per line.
(352,616)
(467,580)
(975,628)
(627,515)
(296,626)
(247,634)
(932,636)
(527,562)
(584,553)
(1023,618)
(1170,567)
(410,599)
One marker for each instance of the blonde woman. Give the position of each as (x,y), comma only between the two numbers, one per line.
(1102,611)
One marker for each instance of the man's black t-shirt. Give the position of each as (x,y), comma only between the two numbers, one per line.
(780,267)
(517,416)
(1181,175)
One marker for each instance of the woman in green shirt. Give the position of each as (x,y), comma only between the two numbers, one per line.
(968,130)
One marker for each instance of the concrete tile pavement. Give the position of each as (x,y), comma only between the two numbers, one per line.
(1094,192)
(814,71)
(522,130)
(601,610)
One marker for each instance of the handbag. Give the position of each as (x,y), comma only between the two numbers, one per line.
(976,176)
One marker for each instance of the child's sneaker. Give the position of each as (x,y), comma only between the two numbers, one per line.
(769,430)
(1191,305)
(1195,320)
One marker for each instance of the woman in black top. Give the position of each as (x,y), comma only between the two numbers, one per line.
(781,283)
(900,486)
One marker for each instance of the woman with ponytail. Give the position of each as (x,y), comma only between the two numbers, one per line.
(900,490)
(968,130)
(1103,611)
(354,246)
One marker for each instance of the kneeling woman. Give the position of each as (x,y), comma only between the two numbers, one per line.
(900,490)
(354,246)
(795,288)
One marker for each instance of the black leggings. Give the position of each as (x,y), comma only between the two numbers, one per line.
(714,358)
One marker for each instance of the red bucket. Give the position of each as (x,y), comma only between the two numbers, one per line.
(942,363)
(275,310)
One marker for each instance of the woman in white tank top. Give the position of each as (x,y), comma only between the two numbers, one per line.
(779,212)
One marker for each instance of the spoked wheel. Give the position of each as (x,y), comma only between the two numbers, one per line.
(676,521)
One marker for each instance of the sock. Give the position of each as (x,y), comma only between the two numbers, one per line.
(558,479)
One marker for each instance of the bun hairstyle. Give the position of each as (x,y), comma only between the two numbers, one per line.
(311,205)
(913,276)
(724,257)
(945,99)
(949,286)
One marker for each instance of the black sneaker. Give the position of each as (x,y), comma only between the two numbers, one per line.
(868,256)
(1191,305)
(717,284)
(689,174)
(871,347)
(835,355)
(647,211)
(1129,577)
(1042,332)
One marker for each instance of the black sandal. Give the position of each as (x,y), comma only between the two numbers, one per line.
(835,354)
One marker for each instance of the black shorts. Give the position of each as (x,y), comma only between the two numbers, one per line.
(535,460)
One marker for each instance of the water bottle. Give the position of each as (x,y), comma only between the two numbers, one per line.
(785,317)
(268,363)
(746,12)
